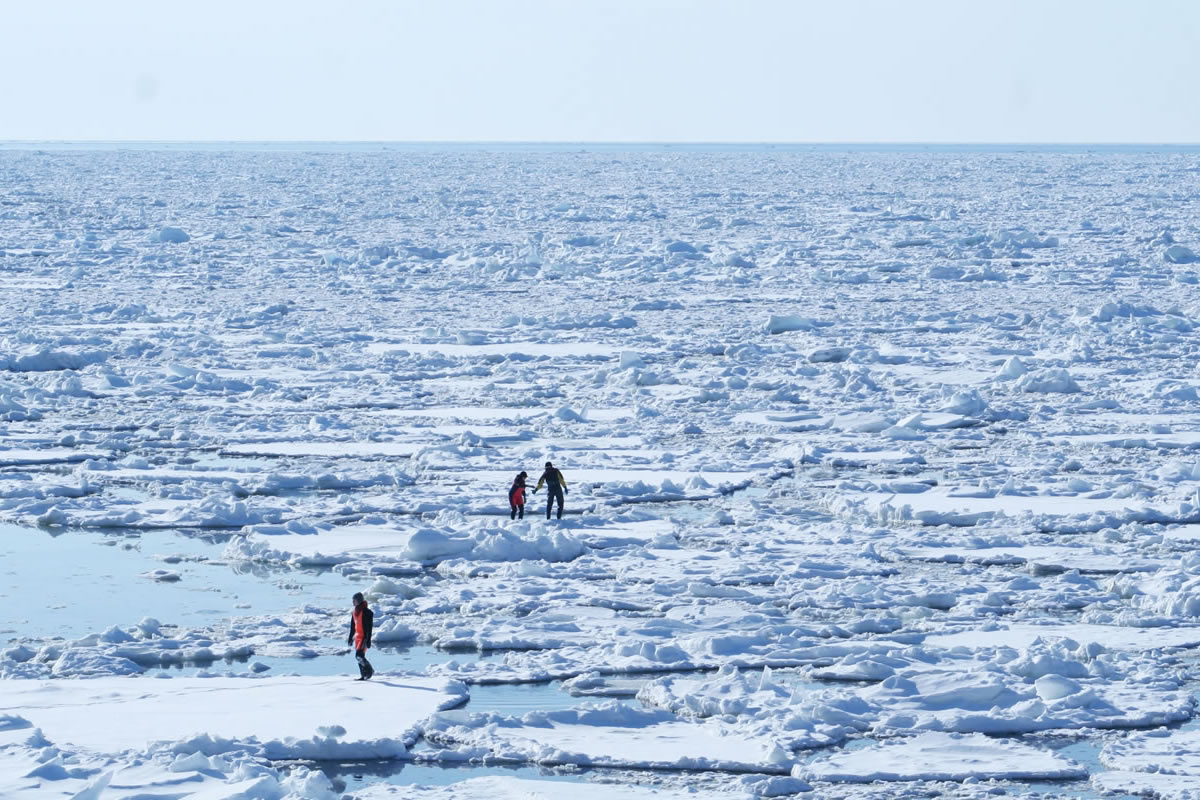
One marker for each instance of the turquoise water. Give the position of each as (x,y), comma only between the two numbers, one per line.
(75,582)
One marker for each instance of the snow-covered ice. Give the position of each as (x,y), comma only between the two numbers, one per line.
(882,466)
(503,788)
(942,756)
(285,717)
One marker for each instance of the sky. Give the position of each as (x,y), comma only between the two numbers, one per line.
(601,70)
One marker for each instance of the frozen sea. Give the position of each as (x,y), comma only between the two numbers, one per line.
(883,470)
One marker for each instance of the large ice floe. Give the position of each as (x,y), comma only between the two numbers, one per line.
(882,473)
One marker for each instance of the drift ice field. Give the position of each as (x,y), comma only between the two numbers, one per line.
(882,472)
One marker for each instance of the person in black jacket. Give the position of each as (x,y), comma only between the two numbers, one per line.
(361,620)
(516,496)
(556,487)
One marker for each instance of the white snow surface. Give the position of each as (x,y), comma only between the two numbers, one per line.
(942,756)
(611,736)
(506,788)
(285,717)
(869,456)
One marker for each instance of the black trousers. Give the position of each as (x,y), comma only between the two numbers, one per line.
(517,511)
(364,667)
(553,493)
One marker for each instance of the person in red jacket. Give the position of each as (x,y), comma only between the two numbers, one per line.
(516,497)
(361,621)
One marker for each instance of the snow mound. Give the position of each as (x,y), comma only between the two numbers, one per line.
(1122,310)
(1013,368)
(790,322)
(1048,381)
(48,360)
(170,235)
(830,355)
(1178,254)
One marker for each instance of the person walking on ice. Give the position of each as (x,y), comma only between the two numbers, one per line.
(361,620)
(516,496)
(556,487)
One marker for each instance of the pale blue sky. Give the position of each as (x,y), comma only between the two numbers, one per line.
(586,70)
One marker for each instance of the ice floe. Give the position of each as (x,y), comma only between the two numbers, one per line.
(868,480)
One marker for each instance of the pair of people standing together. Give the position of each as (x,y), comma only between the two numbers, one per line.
(556,488)
(362,619)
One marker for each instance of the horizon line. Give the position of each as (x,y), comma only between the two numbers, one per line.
(623,142)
